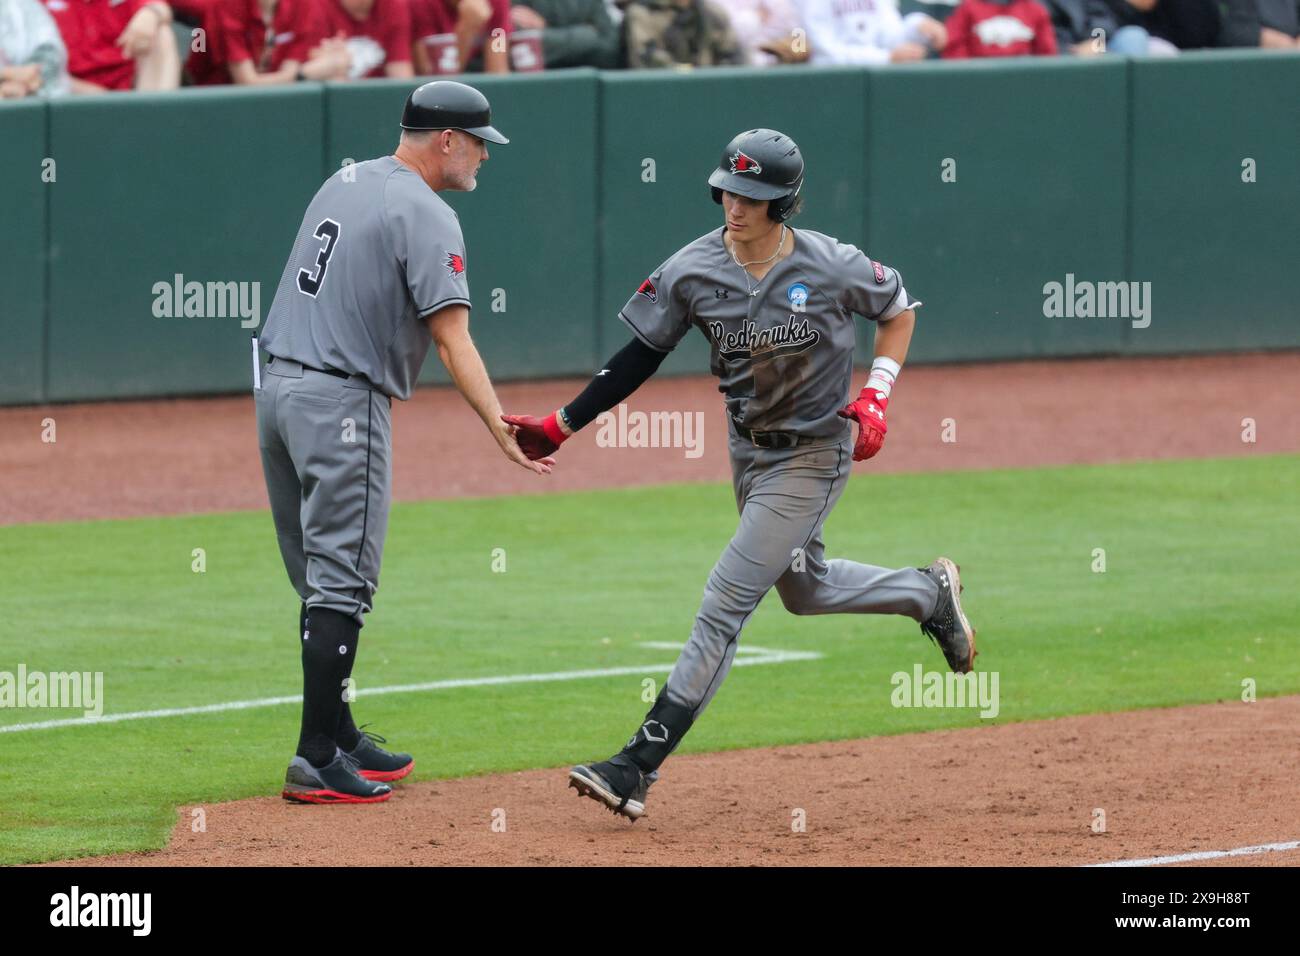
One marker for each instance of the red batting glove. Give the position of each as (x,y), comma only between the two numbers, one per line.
(869,412)
(537,437)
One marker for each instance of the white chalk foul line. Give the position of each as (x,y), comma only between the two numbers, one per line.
(744,656)
(1205,855)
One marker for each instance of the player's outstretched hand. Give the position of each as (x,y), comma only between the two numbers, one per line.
(508,436)
(532,435)
(869,412)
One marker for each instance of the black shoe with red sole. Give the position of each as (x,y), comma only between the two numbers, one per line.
(375,763)
(337,782)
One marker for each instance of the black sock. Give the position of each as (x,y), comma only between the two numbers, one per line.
(328,650)
(659,734)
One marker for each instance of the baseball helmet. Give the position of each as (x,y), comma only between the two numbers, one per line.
(446,104)
(761,164)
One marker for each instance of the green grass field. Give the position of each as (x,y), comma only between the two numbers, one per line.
(1198,593)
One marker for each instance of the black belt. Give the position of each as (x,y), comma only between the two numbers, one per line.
(772,439)
(311,368)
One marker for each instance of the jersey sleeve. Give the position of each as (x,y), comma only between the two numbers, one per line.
(431,250)
(871,289)
(659,311)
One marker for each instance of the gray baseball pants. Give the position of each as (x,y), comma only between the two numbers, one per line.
(784,496)
(326,446)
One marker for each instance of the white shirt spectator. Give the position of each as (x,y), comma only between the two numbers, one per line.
(856,31)
(29,37)
(756,22)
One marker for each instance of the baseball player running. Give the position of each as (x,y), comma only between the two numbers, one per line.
(377,273)
(776,305)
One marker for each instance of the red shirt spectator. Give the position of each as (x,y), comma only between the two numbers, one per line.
(236,32)
(472,23)
(429,17)
(385,22)
(1007,28)
(90,29)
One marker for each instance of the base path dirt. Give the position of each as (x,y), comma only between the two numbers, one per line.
(1170,782)
(194,455)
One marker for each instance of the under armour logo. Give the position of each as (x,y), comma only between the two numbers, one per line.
(719,293)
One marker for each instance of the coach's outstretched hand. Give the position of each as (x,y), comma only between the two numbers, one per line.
(869,412)
(537,437)
(512,442)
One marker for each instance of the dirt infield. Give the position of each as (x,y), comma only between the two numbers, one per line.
(1170,782)
(173,457)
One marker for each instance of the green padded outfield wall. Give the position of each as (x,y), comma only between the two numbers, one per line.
(1109,170)
(528,225)
(681,122)
(1222,255)
(23,238)
(208,184)
(1037,154)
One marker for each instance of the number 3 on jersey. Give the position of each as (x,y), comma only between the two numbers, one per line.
(309,283)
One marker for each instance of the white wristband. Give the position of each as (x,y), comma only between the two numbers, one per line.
(884,372)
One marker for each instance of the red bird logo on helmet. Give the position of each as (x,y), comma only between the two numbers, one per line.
(648,290)
(740,163)
(456,264)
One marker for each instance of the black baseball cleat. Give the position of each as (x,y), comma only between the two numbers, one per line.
(337,782)
(948,626)
(376,763)
(617,783)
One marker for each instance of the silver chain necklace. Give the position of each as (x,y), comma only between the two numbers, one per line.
(753,290)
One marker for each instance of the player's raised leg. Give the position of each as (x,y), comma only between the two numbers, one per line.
(931,596)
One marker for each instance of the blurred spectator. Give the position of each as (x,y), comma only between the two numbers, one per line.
(1089,27)
(118,44)
(474,24)
(192,11)
(1270,24)
(869,31)
(681,33)
(574,32)
(980,28)
(1181,24)
(1279,22)
(375,33)
(33,60)
(765,30)
(239,48)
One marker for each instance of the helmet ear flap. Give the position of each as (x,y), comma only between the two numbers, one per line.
(779,210)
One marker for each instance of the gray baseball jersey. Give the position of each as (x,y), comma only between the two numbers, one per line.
(377,250)
(783,354)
